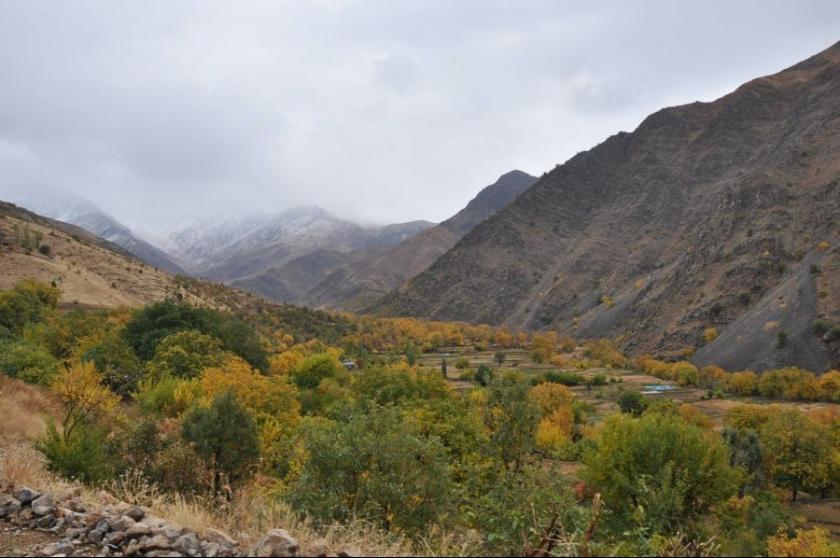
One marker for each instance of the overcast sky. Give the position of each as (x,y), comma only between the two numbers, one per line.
(380,111)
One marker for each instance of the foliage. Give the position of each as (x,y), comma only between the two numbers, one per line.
(314,369)
(82,455)
(811,542)
(632,402)
(376,466)
(84,396)
(27,302)
(28,362)
(225,436)
(512,418)
(658,470)
(185,354)
(116,363)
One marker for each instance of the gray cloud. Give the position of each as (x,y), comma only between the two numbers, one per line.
(377,110)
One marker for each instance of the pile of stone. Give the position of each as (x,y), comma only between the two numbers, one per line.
(123,530)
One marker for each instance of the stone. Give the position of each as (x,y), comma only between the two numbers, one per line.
(276,542)
(218,537)
(158,542)
(135,512)
(25,495)
(138,530)
(43,505)
(120,523)
(115,537)
(188,544)
(8,506)
(211,549)
(46,522)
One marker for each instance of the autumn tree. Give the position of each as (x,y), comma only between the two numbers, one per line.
(84,396)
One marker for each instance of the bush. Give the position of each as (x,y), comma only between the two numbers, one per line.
(565,378)
(484,375)
(632,402)
(378,467)
(820,328)
(599,379)
(44,249)
(225,436)
(82,456)
(28,362)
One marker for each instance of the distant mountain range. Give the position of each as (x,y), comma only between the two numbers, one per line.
(68,207)
(359,284)
(713,226)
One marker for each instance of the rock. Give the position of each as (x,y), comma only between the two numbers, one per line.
(115,537)
(46,522)
(211,549)
(8,506)
(276,542)
(137,530)
(158,542)
(62,548)
(25,495)
(188,544)
(135,512)
(43,505)
(216,536)
(120,523)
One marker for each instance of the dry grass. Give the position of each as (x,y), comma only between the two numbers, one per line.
(25,409)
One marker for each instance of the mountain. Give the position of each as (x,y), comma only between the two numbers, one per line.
(244,250)
(70,208)
(89,270)
(709,215)
(356,286)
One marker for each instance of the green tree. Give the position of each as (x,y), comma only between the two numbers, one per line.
(499,357)
(745,451)
(185,354)
(512,418)
(378,467)
(658,470)
(28,302)
(28,362)
(632,402)
(225,436)
(484,375)
(116,362)
(314,369)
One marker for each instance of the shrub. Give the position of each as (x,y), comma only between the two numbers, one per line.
(484,375)
(312,370)
(672,470)
(28,362)
(80,456)
(44,249)
(632,402)
(820,328)
(225,436)
(710,334)
(377,466)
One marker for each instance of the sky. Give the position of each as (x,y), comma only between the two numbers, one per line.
(165,112)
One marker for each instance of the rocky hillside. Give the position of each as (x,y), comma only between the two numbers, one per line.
(716,215)
(356,286)
(70,208)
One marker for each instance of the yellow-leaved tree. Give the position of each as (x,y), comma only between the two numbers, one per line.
(555,403)
(84,396)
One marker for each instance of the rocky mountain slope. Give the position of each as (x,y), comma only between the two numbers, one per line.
(70,208)
(356,286)
(721,215)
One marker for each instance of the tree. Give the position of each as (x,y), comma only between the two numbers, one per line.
(28,302)
(410,353)
(377,466)
(225,436)
(499,357)
(632,402)
(811,542)
(186,354)
(558,418)
(28,362)
(659,468)
(116,362)
(745,451)
(799,450)
(512,418)
(443,367)
(313,369)
(484,375)
(85,398)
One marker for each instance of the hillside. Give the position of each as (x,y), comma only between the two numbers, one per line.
(709,215)
(70,208)
(359,285)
